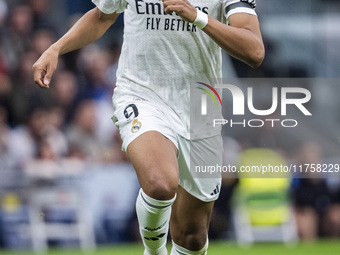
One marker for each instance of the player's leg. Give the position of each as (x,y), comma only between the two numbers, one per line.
(189,224)
(154,158)
(196,194)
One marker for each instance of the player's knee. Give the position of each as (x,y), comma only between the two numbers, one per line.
(193,241)
(162,188)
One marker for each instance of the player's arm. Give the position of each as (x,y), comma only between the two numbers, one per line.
(241,38)
(88,29)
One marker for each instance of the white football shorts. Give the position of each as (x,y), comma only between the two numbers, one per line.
(197,158)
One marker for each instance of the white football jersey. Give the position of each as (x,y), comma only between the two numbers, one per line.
(162,55)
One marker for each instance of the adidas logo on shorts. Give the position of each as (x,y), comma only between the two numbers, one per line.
(216,191)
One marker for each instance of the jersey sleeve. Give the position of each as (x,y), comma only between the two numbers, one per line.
(110,6)
(231,7)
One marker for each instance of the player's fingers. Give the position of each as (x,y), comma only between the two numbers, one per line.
(169,9)
(38,75)
(47,77)
(169,12)
(172,2)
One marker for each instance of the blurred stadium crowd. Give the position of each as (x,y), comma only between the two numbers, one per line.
(63,138)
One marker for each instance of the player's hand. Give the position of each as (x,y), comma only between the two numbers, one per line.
(182,7)
(44,67)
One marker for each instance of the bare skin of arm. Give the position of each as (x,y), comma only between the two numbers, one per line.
(88,29)
(241,38)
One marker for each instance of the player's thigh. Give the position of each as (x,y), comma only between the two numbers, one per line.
(154,158)
(151,144)
(190,219)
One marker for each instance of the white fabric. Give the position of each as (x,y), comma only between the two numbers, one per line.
(196,154)
(192,153)
(150,118)
(201,19)
(153,218)
(111,6)
(163,56)
(178,250)
(240,10)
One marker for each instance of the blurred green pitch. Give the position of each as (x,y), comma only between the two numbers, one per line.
(216,248)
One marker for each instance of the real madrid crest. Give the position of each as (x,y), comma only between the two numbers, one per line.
(136,125)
